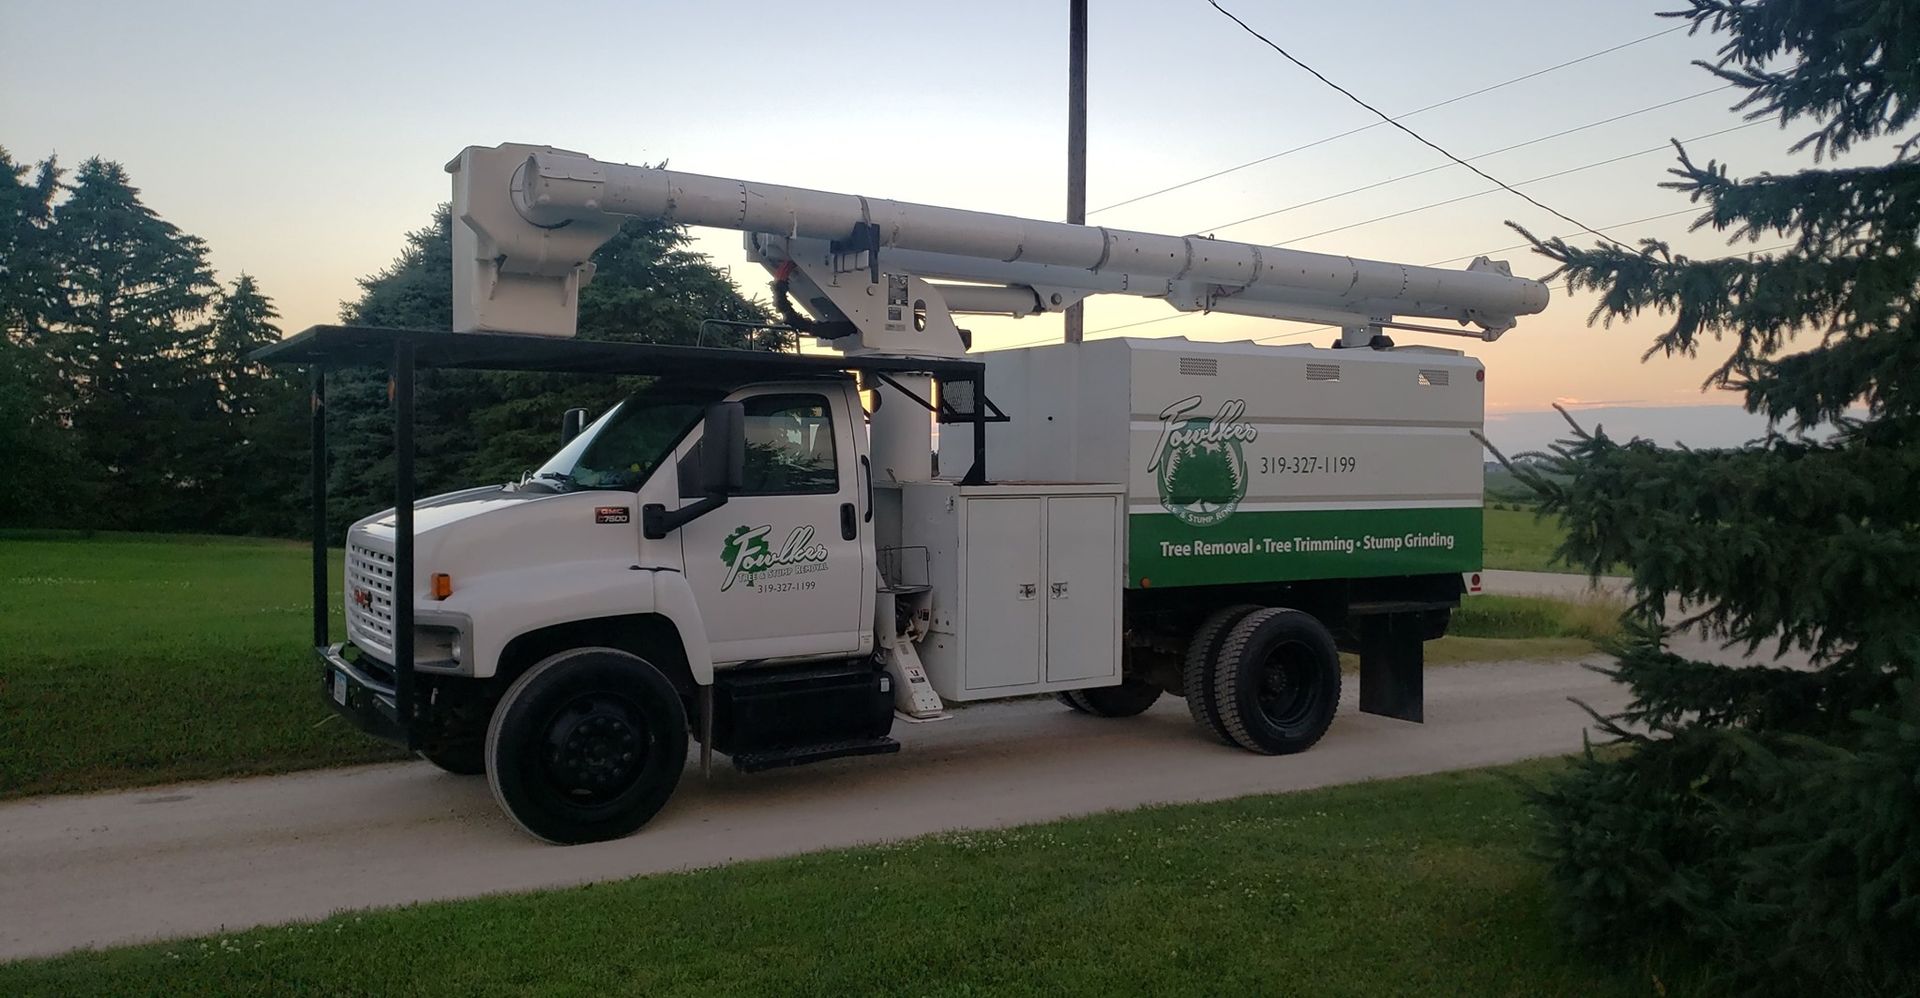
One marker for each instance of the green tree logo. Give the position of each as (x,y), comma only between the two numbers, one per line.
(1199,466)
(746,553)
(744,547)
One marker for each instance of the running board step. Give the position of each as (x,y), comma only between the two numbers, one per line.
(800,755)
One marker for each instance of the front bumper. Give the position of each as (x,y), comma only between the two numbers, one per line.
(362,698)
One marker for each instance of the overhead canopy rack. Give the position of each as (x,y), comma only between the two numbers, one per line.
(357,346)
(404,351)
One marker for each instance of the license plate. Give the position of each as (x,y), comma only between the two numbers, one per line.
(340,688)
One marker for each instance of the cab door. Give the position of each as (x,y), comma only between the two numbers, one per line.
(785,568)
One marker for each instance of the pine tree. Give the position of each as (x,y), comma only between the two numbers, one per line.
(26,258)
(33,433)
(1768,818)
(260,461)
(127,334)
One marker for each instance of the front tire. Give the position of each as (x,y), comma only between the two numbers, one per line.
(587,746)
(1276,681)
(465,758)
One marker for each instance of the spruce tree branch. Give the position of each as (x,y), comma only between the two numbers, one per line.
(1850,65)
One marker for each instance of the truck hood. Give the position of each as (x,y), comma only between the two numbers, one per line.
(454,507)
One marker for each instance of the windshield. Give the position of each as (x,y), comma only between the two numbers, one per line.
(623,446)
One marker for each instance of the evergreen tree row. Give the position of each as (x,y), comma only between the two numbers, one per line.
(127,400)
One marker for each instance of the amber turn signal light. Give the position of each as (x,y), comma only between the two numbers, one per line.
(442,585)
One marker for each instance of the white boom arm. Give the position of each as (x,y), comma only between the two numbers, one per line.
(529,218)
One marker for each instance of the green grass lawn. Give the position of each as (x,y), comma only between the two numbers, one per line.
(1417,886)
(1521,629)
(1494,628)
(128,659)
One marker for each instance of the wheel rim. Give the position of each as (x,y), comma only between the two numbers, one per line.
(596,747)
(1288,688)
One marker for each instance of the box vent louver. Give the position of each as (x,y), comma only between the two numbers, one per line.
(1323,372)
(1433,377)
(1207,366)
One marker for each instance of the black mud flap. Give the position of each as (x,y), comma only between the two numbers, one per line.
(1392,662)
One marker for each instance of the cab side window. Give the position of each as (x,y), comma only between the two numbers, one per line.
(790,449)
(790,446)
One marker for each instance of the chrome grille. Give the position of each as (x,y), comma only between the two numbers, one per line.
(371,572)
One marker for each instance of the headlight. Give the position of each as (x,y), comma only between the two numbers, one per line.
(437,647)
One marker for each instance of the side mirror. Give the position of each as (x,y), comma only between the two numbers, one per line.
(723,449)
(571,423)
(723,471)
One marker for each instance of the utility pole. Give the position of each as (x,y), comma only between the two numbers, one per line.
(1076,139)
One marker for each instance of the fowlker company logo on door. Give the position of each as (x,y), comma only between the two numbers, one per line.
(1198,464)
(751,560)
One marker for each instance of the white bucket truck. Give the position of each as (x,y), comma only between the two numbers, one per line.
(757,549)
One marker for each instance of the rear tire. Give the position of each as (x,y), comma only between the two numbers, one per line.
(1276,681)
(1196,678)
(1125,700)
(587,746)
(1072,699)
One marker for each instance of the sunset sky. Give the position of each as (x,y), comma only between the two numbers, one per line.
(302,140)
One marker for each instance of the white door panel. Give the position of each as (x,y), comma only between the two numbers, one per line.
(1005,593)
(773,570)
(1079,588)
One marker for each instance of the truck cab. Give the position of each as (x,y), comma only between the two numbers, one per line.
(698,529)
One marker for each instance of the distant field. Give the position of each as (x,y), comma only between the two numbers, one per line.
(1418,886)
(129,659)
(1522,540)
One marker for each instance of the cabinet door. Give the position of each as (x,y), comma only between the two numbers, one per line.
(1004,592)
(1083,576)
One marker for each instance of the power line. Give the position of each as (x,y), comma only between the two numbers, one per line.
(1377,124)
(1423,140)
(1504,149)
(1515,246)
(1511,187)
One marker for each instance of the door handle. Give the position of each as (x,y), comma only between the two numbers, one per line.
(866,468)
(849,522)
